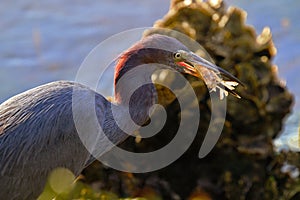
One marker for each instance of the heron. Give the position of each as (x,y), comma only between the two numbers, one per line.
(37,128)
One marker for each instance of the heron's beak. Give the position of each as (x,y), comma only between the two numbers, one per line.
(191,60)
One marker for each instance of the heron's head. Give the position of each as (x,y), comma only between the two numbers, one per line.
(168,51)
(160,49)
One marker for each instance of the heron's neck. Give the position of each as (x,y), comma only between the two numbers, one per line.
(134,89)
(137,98)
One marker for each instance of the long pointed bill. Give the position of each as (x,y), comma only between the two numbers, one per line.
(191,60)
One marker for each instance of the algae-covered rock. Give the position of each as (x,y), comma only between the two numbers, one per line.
(243,164)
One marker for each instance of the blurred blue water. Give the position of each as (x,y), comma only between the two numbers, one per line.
(43,41)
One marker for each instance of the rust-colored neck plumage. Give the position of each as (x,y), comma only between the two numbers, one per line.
(138,56)
(133,85)
(136,66)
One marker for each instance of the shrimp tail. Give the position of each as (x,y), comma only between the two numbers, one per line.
(232,92)
(229,87)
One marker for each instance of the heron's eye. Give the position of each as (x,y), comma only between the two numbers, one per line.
(177,55)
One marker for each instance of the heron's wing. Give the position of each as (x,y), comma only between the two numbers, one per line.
(38,134)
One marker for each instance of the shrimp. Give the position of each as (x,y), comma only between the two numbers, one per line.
(213,80)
